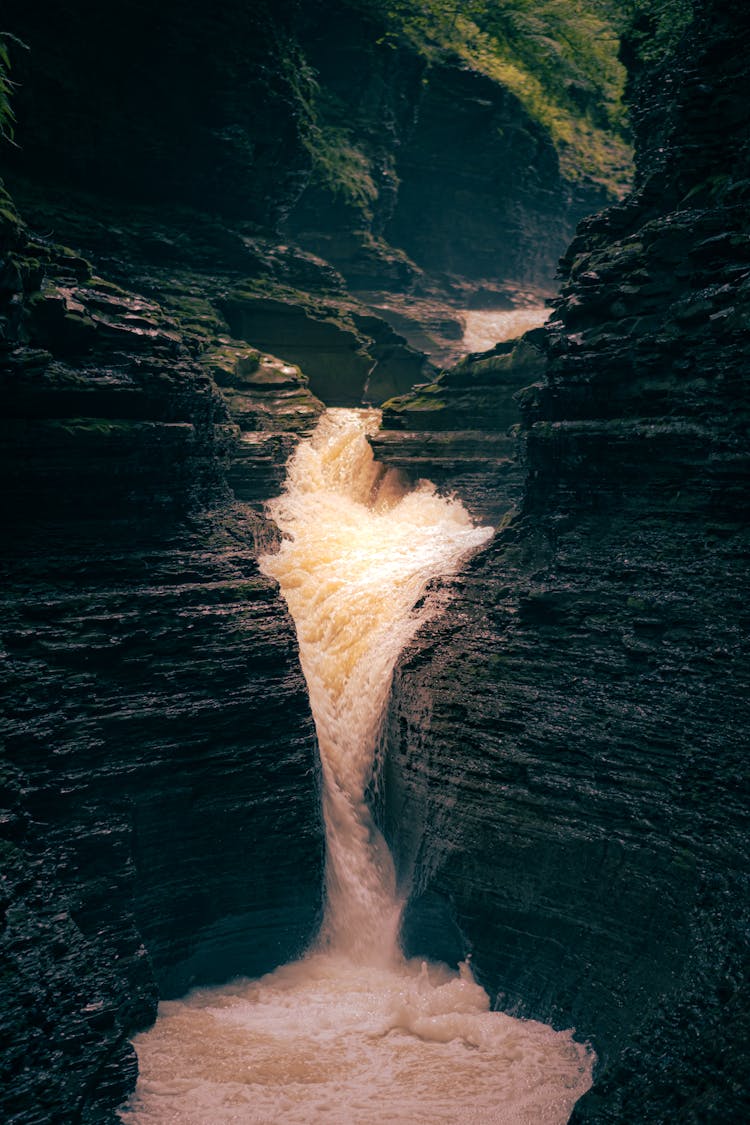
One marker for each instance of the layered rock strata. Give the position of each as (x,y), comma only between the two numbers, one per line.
(160,821)
(565,783)
(314,121)
(460,432)
(565,786)
(480,190)
(465,181)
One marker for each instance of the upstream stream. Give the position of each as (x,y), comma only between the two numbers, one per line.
(353,1033)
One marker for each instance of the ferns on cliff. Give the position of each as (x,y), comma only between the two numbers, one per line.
(7,117)
(654,27)
(6,113)
(338,163)
(558,56)
(341,166)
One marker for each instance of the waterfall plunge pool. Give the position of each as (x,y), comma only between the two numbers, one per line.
(354,1033)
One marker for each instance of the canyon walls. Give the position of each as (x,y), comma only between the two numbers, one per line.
(480,192)
(448,166)
(160,821)
(566,780)
(565,785)
(389,156)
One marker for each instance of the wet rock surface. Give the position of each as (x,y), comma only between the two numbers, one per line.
(565,781)
(460,431)
(480,189)
(159,753)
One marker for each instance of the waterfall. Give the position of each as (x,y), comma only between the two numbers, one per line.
(358,550)
(483,328)
(354,1033)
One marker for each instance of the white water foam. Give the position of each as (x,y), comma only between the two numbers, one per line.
(354,1034)
(483,328)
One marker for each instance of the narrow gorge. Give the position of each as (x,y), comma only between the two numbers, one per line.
(353,1031)
(401,801)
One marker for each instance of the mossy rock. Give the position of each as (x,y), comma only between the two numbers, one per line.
(101,285)
(230,365)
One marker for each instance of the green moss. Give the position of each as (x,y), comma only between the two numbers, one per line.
(266,288)
(426,402)
(559,57)
(104,286)
(231,363)
(506,521)
(99,427)
(421,401)
(336,312)
(194,315)
(338,163)
(341,166)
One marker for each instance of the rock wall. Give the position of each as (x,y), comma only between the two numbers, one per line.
(565,781)
(480,189)
(460,175)
(236,112)
(460,432)
(160,822)
(181,104)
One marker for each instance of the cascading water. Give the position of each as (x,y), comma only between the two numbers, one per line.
(483,328)
(358,552)
(354,1034)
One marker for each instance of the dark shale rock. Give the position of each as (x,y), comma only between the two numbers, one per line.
(566,784)
(272,406)
(349,356)
(182,104)
(152,805)
(158,745)
(480,189)
(460,431)
(331,351)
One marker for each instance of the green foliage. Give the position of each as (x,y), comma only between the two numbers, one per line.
(558,56)
(341,166)
(337,162)
(570,49)
(7,117)
(654,27)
